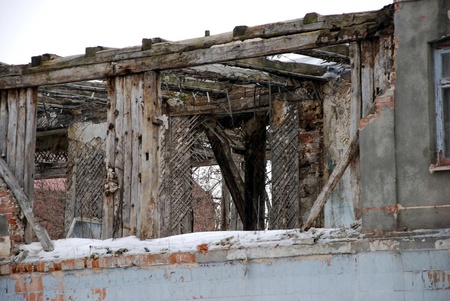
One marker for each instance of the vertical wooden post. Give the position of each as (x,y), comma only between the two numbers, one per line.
(12,129)
(4,119)
(149,216)
(228,168)
(367,80)
(255,173)
(137,99)
(30,100)
(18,135)
(355,116)
(108,204)
(224,208)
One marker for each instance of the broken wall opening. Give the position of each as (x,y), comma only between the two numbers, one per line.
(136,148)
(70,155)
(290,114)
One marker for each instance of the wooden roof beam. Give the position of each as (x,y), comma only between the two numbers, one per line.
(252,42)
(301,70)
(336,53)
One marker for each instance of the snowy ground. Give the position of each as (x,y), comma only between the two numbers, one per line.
(80,247)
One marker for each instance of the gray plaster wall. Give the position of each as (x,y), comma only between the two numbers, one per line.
(371,276)
(416,24)
(413,146)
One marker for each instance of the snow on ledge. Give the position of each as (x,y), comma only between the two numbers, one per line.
(238,244)
(71,248)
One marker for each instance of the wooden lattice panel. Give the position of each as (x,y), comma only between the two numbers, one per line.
(85,181)
(285,164)
(50,156)
(183,135)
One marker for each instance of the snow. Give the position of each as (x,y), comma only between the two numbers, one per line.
(72,248)
(80,247)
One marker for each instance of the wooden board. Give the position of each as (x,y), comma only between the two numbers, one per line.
(4,120)
(149,215)
(108,203)
(25,206)
(242,44)
(13,98)
(332,181)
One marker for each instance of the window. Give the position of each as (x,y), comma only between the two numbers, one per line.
(442,91)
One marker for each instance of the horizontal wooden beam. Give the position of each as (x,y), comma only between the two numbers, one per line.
(62,131)
(50,171)
(336,53)
(269,39)
(308,71)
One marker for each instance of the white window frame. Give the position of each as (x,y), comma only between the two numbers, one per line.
(440,83)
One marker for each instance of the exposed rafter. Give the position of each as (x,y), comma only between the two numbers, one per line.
(243,43)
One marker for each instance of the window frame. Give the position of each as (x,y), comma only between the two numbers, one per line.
(440,83)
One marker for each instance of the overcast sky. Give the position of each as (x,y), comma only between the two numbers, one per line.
(66,27)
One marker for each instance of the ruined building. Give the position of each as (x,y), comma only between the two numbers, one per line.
(336,122)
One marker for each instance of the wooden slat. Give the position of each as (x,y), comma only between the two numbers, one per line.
(149,216)
(119,155)
(292,68)
(13,103)
(29,150)
(163,56)
(335,176)
(367,79)
(255,172)
(355,116)
(24,204)
(230,172)
(4,118)
(136,115)
(108,203)
(127,152)
(19,156)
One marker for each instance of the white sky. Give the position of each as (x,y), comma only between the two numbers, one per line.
(66,27)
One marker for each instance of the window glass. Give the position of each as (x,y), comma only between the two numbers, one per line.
(446,65)
(446,121)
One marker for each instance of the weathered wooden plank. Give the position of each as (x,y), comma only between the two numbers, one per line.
(383,61)
(4,118)
(136,115)
(355,116)
(120,91)
(255,173)
(238,105)
(340,29)
(149,217)
(24,204)
(230,172)
(29,150)
(19,156)
(335,176)
(355,105)
(111,183)
(374,19)
(13,97)
(335,53)
(127,151)
(293,68)
(367,77)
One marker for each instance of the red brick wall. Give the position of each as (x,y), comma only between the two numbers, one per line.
(310,150)
(203,206)
(10,209)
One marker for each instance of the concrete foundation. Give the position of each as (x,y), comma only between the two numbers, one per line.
(399,268)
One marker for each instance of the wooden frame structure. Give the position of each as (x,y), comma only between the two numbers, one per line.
(134,108)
